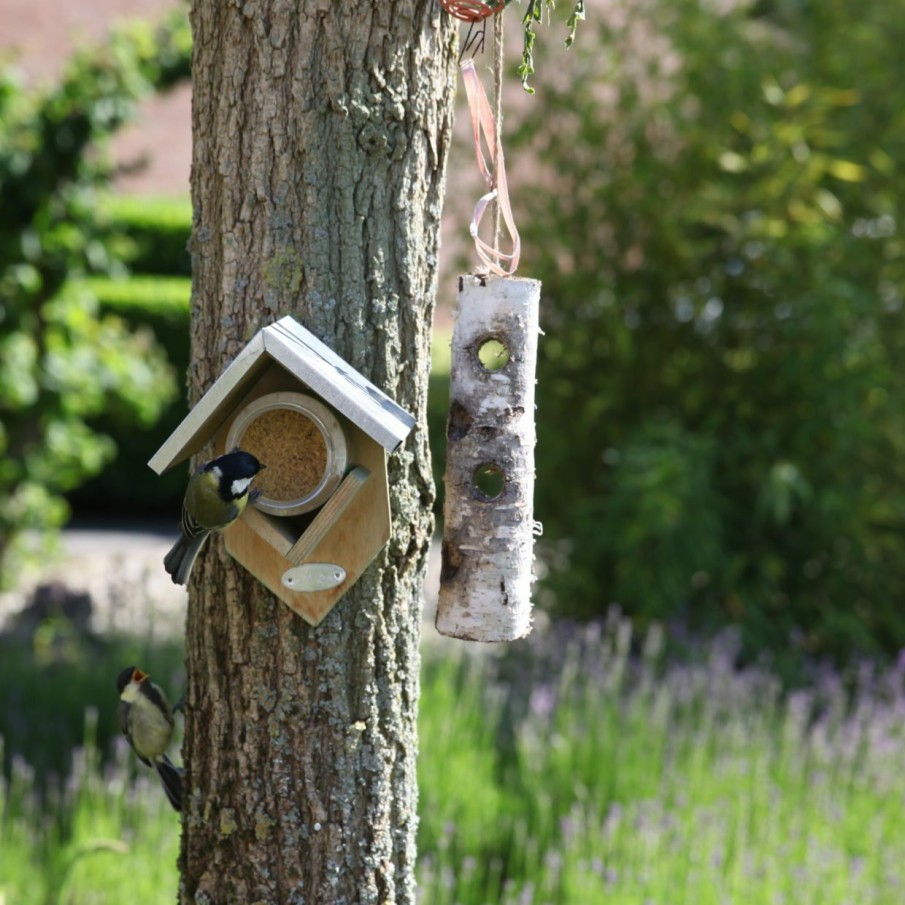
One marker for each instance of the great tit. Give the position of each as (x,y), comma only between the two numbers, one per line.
(216,495)
(146,721)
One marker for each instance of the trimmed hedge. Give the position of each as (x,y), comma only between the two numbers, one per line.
(127,486)
(161,303)
(155,233)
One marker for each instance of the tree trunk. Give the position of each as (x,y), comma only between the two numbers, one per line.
(320,138)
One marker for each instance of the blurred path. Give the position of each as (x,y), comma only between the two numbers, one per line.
(120,567)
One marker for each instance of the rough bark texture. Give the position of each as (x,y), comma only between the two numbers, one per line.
(488,531)
(320,136)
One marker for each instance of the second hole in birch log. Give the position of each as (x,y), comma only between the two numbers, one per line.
(488,481)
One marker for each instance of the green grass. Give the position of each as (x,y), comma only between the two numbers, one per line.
(563,771)
(625,783)
(103,838)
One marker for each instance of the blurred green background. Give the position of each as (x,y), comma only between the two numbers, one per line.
(712,198)
(712,195)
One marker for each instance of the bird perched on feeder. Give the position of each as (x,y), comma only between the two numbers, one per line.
(146,721)
(216,495)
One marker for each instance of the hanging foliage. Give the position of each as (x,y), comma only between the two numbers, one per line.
(477,12)
(534,13)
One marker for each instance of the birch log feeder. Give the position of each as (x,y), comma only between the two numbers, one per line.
(488,538)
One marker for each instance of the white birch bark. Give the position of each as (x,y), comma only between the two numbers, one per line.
(488,541)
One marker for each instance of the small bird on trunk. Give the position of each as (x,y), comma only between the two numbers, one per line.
(146,720)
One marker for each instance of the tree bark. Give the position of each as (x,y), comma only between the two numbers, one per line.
(320,137)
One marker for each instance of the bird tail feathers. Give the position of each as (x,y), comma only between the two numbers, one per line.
(171,780)
(179,561)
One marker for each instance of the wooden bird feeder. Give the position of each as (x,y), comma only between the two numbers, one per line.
(324,433)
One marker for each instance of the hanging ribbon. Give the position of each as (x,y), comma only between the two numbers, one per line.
(472,10)
(482,120)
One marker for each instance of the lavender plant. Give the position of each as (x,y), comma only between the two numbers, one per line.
(627,780)
(581,767)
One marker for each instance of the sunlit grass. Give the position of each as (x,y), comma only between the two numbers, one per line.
(100,838)
(624,782)
(564,771)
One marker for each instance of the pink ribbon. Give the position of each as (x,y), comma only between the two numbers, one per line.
(495,176)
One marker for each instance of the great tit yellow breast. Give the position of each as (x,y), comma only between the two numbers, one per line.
(149,726)
(205,504)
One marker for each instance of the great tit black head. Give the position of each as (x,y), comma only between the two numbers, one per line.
(234,473)
(125,677)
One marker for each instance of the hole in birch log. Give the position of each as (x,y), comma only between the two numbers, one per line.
(488,481)
(459,421)
(493,354)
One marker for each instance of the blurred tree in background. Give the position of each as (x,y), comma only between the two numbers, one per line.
(717,224)
(60,362)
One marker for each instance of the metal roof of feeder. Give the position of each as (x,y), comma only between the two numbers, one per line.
(304,356)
